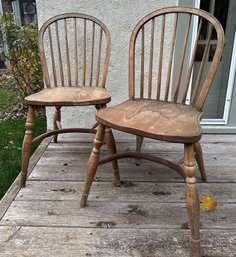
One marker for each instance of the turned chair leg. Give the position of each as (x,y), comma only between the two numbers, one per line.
(111,146)
(27,144)
(192,199)
(139,142)
(199,158)
(57,122)
(92,164)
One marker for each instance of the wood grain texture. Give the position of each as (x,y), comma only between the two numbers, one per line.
(154,119)
(124,214)
(68,171)
(103,242)
(130,190)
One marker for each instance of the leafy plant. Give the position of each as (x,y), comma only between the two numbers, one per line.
(23,54)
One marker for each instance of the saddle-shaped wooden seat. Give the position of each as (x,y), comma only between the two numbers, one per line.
(154,119)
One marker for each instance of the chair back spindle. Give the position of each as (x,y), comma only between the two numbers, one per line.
(177,87)
(142,66)
(76,53)
(99,57)
(92,56)
(59,55)
(151,59)
(160,57)
(84,55)
(199,76)
(188,77)
(52,57)
(171,57)
(67,54)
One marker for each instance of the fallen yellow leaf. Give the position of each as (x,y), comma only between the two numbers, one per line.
(208,203)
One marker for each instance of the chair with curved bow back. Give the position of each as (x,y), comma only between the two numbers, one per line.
(168,84)
(75,51)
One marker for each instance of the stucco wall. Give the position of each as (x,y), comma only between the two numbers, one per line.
(120,16)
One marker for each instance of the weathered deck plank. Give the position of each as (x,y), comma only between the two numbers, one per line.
(74,242)
(123,214)
(145,217)
(158,192)
(129,171)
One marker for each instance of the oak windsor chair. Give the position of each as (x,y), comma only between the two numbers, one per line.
(157,107)
(75,52)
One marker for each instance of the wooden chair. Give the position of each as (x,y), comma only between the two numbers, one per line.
(159,82)
(75,51)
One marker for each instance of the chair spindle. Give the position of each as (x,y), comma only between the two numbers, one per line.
(151,60)
(171,57)
(84,55)
(67,54)
(99,58)
(182,59)
(190,70)
(92,57)
(160,57)
(142,64)
(200,72)
(76,54)
(59,55)
(52,57)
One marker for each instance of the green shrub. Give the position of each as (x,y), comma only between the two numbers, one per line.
(23,54)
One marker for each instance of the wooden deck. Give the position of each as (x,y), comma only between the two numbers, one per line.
(145,217)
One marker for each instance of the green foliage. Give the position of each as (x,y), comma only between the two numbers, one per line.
(11,134)
(23,54)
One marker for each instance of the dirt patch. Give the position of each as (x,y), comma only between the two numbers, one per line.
(161,193)
(64,190)
(136,209)
(106,224)
(127,184)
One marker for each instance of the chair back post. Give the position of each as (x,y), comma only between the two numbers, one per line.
(202,85)
(98,71)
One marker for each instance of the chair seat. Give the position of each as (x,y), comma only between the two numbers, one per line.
(154,119)
(69,96)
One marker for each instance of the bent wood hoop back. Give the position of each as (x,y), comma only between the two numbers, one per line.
(157,70)
(74,50)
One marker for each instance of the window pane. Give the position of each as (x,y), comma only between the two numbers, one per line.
(221,12)
(204,5)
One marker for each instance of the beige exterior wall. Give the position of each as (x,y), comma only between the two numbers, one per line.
(120,16)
